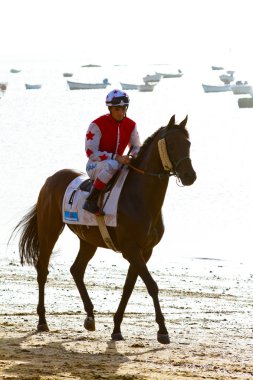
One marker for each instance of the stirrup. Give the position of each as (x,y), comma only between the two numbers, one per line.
(91,207)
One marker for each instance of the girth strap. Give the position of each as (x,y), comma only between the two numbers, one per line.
(104,232)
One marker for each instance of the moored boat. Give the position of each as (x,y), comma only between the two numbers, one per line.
(147,87)
(245,102)
(32,86)
(15,71)
(87,86)
(152,78)
(216,88)
(228,77)
(217,67)
(129,86)
(91,65)
(240,88)
(177,74)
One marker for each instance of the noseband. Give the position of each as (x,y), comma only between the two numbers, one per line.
(168,165)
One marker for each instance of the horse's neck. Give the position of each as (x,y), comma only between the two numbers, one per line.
(151,181)
(146,193)
(150,159)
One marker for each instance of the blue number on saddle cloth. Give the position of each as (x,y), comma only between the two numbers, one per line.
(70,215)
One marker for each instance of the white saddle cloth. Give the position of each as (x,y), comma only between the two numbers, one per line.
(74,198)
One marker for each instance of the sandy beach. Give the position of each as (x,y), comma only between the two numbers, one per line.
(207,305)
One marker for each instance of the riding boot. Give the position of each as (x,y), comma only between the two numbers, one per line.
(91,201)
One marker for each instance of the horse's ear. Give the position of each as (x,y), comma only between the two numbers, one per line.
(171,123)
(184,122)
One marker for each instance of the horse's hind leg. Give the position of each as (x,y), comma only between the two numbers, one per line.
(86,252)
(49,228)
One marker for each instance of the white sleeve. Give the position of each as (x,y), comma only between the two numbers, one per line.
(134,142)
(92,140)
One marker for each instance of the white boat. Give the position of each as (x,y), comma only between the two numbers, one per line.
(87,86)
(228,77)
(152,78)
(147,87)
(216,88)
(178,74)
(217,68)
(14,71)
(32,86)
(67,74)
(240,88)
(245,102)
(129,86)
(91,65)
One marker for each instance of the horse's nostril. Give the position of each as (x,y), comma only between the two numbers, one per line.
(188,178)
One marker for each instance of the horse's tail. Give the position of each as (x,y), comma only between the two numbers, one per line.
(29,238)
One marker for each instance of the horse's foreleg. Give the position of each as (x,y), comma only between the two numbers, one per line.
(86,252)
(126,294)
(127,291)
(137,261)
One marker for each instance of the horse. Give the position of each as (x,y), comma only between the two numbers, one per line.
(139,223)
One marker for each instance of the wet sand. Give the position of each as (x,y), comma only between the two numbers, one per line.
(207,304)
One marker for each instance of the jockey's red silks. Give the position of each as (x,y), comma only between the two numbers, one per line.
(109,130)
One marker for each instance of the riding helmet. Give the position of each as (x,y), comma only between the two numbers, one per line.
(117,98)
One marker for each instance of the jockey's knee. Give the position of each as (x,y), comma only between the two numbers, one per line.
(112,166)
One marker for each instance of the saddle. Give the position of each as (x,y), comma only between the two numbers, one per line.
(88,183)
(77,192)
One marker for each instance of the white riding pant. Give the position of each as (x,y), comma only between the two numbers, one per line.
(103,170)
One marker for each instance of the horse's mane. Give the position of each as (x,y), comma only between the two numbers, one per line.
(146,144)
(152,137)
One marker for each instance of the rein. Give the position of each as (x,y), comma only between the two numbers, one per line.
(159,175)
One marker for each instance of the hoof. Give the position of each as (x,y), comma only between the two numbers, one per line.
(117,336)
(42,327)
(89,324)
(163,338)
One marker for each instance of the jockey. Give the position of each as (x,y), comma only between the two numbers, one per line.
(106,140)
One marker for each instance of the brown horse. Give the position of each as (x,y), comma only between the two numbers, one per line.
(139,223)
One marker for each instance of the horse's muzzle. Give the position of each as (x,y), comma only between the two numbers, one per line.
(188,178)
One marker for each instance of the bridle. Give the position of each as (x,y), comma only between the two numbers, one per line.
(169,165)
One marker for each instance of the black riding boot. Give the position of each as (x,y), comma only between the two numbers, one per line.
(91,201)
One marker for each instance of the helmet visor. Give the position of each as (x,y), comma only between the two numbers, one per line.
(120,100)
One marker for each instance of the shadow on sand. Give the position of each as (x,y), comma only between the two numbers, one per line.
(31,357)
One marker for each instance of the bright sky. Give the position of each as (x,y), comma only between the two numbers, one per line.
(150,31)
